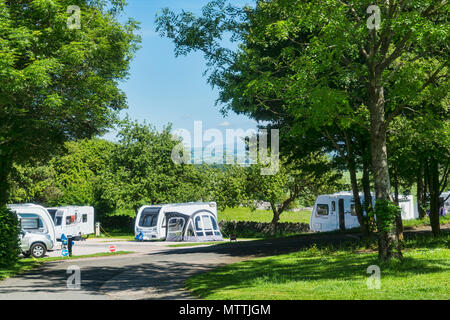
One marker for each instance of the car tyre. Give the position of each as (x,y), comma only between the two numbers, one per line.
(38,250)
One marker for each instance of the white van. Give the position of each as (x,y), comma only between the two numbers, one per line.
(37,229)
(178,222)
(73,221)
(337,211)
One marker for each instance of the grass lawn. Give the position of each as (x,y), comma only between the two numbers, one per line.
(409,224)
(320,274)
(94,255)
(246,214)
(21,267)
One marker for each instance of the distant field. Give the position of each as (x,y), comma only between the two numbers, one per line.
(246,214)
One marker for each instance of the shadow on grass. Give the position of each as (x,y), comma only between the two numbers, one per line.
(306,267)
(18,268)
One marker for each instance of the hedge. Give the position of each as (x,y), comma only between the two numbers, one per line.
(251,229)
(9,238)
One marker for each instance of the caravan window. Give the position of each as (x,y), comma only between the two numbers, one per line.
(52,213)
(149,217)
(322,209)
(59,217)
(207,225)
(215,226)
(85,218)
(198,227)
(333,206)
(31,221)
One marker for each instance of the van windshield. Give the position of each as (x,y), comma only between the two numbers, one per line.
(149,217)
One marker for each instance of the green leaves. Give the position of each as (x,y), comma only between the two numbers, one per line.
(9,238)
(59,84)
(385,212)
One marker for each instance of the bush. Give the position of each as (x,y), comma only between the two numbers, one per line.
(9,238)
(117,224)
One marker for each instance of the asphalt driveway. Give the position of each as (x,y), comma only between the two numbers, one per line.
(158,272)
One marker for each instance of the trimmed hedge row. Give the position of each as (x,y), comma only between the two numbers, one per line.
(9,238)
(250,229)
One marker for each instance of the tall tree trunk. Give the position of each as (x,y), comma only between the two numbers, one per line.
(366,186)
(420,191)
(426,185)
(379,156)
(398,219)
(276,214)
(434,186)
(358,206)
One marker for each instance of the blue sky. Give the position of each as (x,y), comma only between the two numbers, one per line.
(163,89)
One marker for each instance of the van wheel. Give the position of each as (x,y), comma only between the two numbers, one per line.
(38,250)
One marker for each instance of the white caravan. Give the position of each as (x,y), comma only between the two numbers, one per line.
(445,201)
(73,221)
(337,211)
(178,222)
(37,229)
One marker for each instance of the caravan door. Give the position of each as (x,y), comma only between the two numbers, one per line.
(351,219)
(341,214)
(59,216)
(175,226)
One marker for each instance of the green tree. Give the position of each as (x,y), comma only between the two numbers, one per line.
(296,180)
(58,83)
(229,186)
(69,178)
(321,63)
(141,170)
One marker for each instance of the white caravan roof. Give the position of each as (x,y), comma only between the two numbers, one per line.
(189,208)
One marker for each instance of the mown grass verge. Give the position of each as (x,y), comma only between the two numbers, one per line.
(330,273)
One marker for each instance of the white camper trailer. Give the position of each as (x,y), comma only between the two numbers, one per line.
(178,222)
(337,211)
(73,221)
(37,229)
(445,201)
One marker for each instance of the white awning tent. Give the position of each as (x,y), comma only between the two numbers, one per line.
(193,222)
